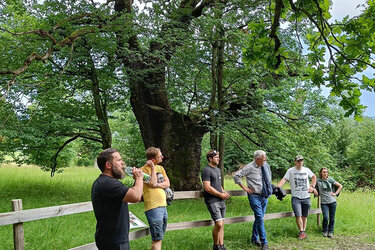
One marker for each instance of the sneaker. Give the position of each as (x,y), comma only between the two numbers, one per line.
(330,235)
(256,243)
(222,247)
(325,234)
(264,247)
(306,237)
(302,235)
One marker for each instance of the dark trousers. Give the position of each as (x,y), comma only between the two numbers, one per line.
(329,211)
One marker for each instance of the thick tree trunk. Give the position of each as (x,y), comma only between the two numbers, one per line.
(177,135)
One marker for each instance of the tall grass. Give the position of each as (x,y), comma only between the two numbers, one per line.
(355,223)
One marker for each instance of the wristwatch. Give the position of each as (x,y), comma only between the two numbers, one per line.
(313,186)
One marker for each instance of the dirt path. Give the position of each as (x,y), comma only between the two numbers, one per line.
(363,242)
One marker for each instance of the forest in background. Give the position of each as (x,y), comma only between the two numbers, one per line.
(186,76)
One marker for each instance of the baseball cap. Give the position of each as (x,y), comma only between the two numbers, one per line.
(298,158)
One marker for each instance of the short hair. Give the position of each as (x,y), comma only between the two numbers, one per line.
(259,154)
(321,170)
(211,154)
(151,152)
(105,156)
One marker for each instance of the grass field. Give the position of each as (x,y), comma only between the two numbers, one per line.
(355,222)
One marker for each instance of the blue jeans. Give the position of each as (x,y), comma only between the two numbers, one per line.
(329,211)
(259,205)
(157,219)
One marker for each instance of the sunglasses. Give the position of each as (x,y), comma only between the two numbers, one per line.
(214,153)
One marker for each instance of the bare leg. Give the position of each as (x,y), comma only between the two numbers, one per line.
(156,245)
(218,233)
(304,223)
(299,223)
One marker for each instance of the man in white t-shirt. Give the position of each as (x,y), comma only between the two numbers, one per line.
(298,178)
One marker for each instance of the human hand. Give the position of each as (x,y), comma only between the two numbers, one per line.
(150,163)
(224,195)
(333,194)
(137,173)
(249,190)
(315,192)
(312,190)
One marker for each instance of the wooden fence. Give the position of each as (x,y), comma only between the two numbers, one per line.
(19,216)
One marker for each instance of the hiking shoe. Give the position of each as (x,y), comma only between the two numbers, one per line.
(306,237)
(330,235)
(325,234)
(222,247)
(256,243)
(302,235)
(264,247)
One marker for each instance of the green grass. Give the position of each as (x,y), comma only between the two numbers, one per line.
(355,223)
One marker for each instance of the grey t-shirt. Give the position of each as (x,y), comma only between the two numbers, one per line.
(325,188)
(299,181)
(213,175)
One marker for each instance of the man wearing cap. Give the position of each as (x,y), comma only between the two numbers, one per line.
(258,178)
(214,197)
(298,177)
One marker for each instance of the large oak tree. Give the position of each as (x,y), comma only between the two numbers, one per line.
(149,38)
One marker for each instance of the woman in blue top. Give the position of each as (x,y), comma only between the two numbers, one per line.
(328,200)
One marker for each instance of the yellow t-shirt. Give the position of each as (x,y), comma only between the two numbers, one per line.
(154,197)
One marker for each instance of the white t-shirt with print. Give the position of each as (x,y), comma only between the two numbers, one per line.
(299,181)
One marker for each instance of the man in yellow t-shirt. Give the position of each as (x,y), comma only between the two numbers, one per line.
(154,197)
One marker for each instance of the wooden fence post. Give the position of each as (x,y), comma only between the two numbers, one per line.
(19,242)
(318,215)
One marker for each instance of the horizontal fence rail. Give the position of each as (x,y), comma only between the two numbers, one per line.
(16,218)
(49,212)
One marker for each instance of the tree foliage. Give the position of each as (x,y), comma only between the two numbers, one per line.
(247,70)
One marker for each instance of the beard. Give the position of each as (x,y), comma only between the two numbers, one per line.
(118,174)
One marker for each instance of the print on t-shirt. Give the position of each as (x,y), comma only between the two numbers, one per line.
(300,181)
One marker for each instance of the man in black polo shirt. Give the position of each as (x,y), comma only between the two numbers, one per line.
(110,201)
(214,197)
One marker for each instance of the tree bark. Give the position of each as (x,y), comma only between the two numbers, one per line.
(177,135)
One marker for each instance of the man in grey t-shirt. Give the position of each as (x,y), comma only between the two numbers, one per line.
(214,197)
(298,178)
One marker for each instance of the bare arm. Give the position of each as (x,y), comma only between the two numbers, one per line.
(165,183)
(312,188)
(209,189)
(338,190)
(282,182)
(134,194)
(153,183)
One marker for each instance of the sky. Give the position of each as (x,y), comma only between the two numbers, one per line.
(340,9)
